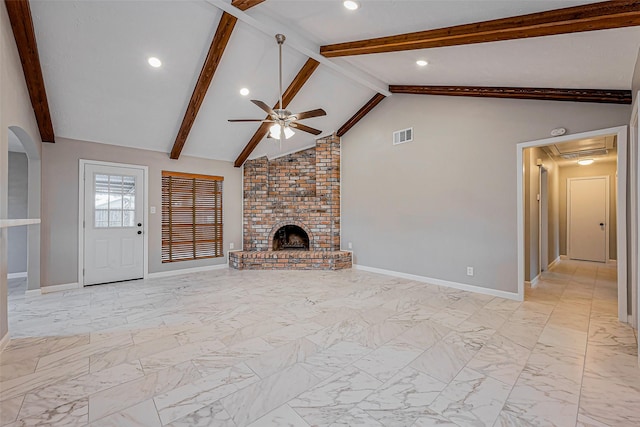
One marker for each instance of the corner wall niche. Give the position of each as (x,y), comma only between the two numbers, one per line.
(292,211)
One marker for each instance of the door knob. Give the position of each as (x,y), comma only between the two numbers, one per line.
(139,232)
(602,224)
(139,224)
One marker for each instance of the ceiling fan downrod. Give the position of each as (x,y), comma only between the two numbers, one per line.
(280,38)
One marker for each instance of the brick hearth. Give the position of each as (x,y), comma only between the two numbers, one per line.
(301,189)
(290,260)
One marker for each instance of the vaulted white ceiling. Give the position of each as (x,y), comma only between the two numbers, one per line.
(100,87)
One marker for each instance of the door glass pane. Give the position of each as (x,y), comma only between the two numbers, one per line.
(128,218)
(115,218)
(128,184)
(102,218)
(129,201)
(114,200)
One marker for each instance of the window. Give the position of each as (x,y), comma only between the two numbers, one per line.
(191,216)
(115,199)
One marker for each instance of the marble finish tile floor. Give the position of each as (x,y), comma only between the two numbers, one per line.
(308,348)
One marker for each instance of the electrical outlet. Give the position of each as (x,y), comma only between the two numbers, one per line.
(350,245)
(469,271)
(232,245)
(152,209)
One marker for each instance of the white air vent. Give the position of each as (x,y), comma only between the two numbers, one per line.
(402,136)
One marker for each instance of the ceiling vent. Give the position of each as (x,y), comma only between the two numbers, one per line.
(578,154)
(402,136)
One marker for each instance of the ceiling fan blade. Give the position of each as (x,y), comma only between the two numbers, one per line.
(311,113)
(305,128)
(245,120)
(264,106)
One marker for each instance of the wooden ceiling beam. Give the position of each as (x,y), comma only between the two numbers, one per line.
(602,96)
(19,13)
(370,105)
(589,17)
(214,56)
(298,82)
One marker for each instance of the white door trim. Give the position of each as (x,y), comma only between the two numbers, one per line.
(81,205)
(606,214)
(541,228)
(621,202)
(634,155)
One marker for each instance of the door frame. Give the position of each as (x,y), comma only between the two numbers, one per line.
(543,226)
(81,212)
(606,215)
(621,203)
(634,156)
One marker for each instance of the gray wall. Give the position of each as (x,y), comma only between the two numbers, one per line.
(18,208)
(447,200)
(596,169)
(15,110)
(60,170)
(531,183)
(635,83)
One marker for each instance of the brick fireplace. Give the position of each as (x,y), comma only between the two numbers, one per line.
(292,211)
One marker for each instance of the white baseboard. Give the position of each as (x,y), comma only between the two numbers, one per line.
(533,282)
(186,271)
(59,288)
(33,292)
(4,341)
(553,263)
(440,282)
(17,275)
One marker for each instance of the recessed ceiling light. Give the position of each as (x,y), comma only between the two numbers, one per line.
(351,4)
(422,62)
(244,91)
(585,162)
(154,62)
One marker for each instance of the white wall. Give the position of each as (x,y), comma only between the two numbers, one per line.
(15,110)
(447,200)
(60,171)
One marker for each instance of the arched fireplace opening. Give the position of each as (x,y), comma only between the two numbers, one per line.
(290,238)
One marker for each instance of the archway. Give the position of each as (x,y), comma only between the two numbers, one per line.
(32,150)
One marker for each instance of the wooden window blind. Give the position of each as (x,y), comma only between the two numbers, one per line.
(191,216)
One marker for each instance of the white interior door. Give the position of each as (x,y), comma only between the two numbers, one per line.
(113,228)
(588,216)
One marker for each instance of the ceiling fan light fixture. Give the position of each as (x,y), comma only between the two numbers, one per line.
(288,132)
(274,132)
(351,4)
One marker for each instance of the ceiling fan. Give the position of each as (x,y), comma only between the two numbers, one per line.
(283,120)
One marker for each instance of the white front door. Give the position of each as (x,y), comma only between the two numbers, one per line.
(588,200)
(113,228)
